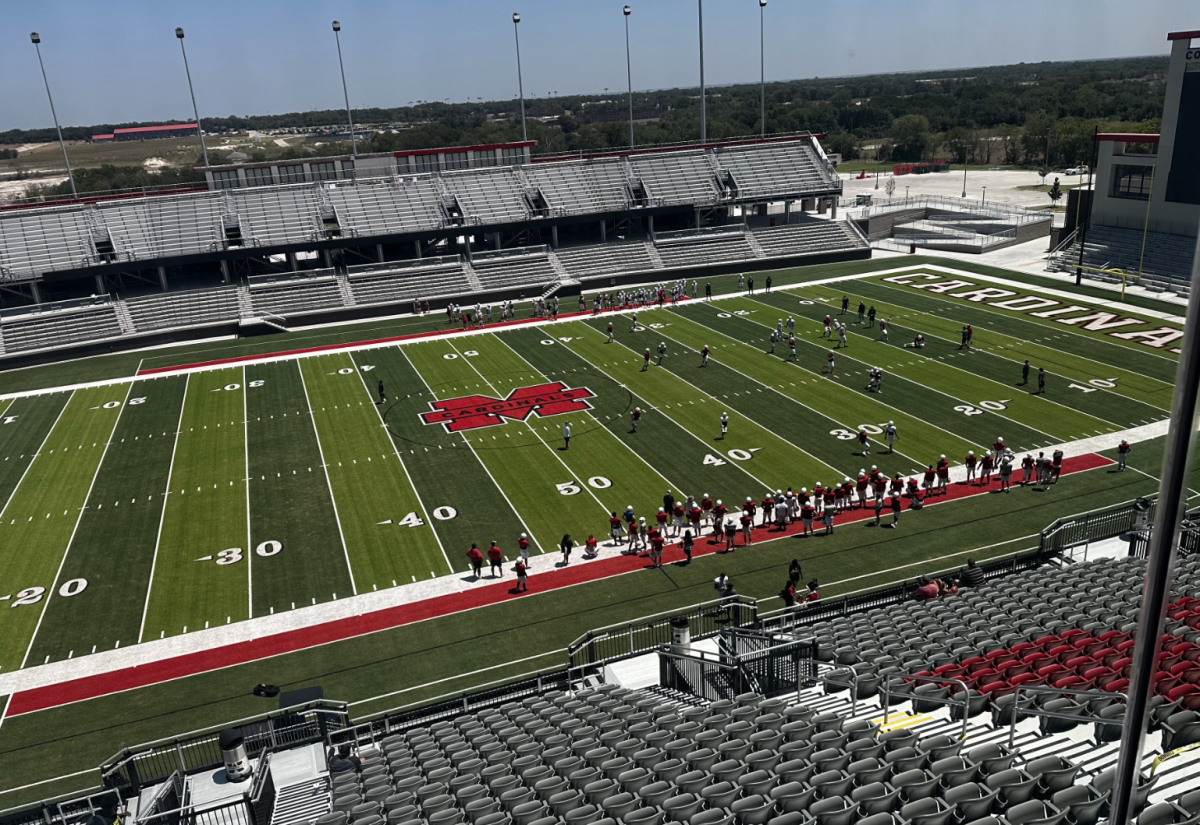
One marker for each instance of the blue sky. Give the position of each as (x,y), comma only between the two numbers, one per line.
(118,61)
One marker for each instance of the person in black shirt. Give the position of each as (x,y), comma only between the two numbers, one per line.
(382,394)
(972,576)
(342,761)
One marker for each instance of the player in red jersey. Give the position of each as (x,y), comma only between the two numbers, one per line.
(706,504)
(590,550)
(828,333)
(646,360)
(927,483)
(879,486)
(839,496)
(792,349)
(523,548)
(615,531)
(610,334)
(656,549)
(661,518)
(860,487)
(747,520)
(1122,455)
(829,503)
(864,442)
(970,462)
(985,469)
(1026,469)
(998,446)
(913,492)
(895,511)
(807,511)
(635,417)
(943,474)
(679,514)
(1056,465)
(704,356)
(635,537)
(829,364)
(897,486)
(749,507)
(719,511)
(695,516)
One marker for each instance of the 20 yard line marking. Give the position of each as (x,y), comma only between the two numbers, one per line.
(396,451)
(162,516)
(63,561)
(325,469)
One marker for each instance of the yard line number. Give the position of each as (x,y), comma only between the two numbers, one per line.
(570,488)
(1096,383)
(737,455)
(33,595)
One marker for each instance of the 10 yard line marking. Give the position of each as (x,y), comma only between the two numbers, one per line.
(63,561)
(163,515)
(325,469)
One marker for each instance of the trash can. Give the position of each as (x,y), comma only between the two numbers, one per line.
(681,632)
(233,754)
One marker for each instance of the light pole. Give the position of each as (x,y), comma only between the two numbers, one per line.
(762,63)
(964,194)
(192,92)
(37,39)
(629,73)
(984,195)
(520,86)
(876,168)
(703,121)
(906,196)
(337,27)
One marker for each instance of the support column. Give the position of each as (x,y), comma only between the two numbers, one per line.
(224,271)
(496,241)
(417,247)
(328,259)
(291,260)
(833,202)
(37,293)
(650,226)
(100,290)
(554,237)
(603,231)
(162,278)
(787,211)
(379,252)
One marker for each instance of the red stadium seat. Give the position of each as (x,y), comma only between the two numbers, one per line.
(1025,679)
(1113,637)
(1021,648)
(1050,670)
(996,689)
(1046,641)
(1181,691)
(1126,645)
(1097,673)
(1070,633)
(1113,684)
(970,664)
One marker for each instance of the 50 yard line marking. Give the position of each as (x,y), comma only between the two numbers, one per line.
(249,539)
(325,469)
(79,520)
(396,451)
(163,515)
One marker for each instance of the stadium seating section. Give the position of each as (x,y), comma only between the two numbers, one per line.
(1163,259)
(57,328)
(397,285)
(609,754)
(184,309)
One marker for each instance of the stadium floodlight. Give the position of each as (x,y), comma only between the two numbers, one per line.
(703,121)
(762,62)
(520,85)
(192,92)
(629,72)
(964,194)
(36,39)
(337,27)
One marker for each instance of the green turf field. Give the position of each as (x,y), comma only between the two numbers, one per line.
(145,509)
(153,508)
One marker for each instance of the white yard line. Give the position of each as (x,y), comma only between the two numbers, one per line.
(396,450)
(163,515)
(33,458)
(246,453)
(470,447)
(328,484)
(79,520)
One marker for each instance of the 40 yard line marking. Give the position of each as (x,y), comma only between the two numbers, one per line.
(396,452)
(467,441)
(325,469)
(63,561)
(162,515)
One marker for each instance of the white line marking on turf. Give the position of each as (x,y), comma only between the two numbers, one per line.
(328,486)
(396,450)
(163,515)
(62,562)
(246,454)
(33,458)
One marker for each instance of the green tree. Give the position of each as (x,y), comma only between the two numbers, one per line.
(890,186)
(1042,172)
(845,144)
(958,142)
(910,135)
(1035,141)
(1055,193)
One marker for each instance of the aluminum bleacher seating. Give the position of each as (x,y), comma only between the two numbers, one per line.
(1163,257)
(578,188)
(277,215)
(605,259)
(489,195)
(184,309)
(387,284)
(296,296)
(773,168)
(43,240)
(47,329)
(532,270)
(676,177)
(165,226)
(807,238)
(702,250)
(386,207)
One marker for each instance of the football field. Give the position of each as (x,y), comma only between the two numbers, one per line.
(169,503)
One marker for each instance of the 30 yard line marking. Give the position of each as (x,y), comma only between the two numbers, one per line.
(63,561)
(246,475)
(396,451)
(325,469)
(467,441)
(162,516)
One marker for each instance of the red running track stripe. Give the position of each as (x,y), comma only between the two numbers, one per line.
(190,664)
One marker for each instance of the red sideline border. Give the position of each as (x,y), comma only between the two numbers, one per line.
(90,687)
(412,336)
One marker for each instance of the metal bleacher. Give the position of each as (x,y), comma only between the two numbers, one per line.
(808,238)
(506,270)
(769,169)
(581,187)
(489,195)
(592,261)
(277,215)
(50,328)
(161,227)
(43,240)
(701,250)
(409,204)
(296,296)
(677,177)
(425,280)
(191,308)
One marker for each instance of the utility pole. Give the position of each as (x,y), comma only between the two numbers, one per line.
(37,40)
(337,27)
(629,73)
(703,120)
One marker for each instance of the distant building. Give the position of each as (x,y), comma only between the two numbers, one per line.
(171,130)
(102,138)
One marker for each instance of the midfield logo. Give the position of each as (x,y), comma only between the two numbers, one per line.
(474,411)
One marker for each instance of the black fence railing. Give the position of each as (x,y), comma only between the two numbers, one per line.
(231,812)
(1098,525)
(261,797)
(76,809)
(766,666)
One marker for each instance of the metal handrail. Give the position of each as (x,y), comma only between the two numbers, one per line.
(1049,714)
(965,702)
